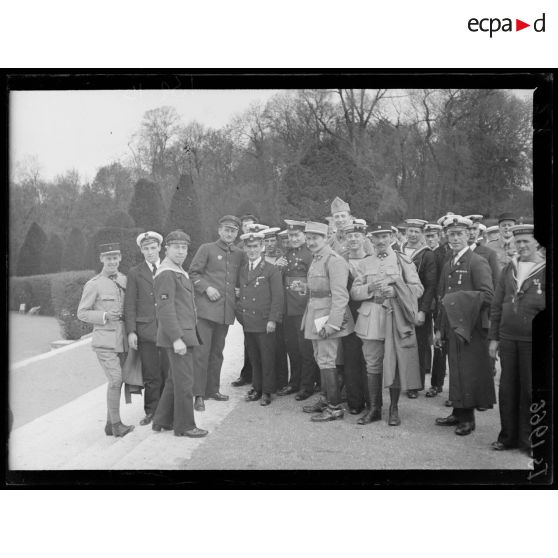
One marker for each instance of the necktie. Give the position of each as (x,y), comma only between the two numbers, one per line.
(154,270)
(251,266)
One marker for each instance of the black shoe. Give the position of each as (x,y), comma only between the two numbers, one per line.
(394,419)
(120,430)
(287,390)
(146,419)
(448,403)
(372,415)
(452,420)
(253,396)
(108,428)
(159,427)
(194,433)
(317,407)
(412,394)
(199,404)
(266,400)
(500,446)
(239,382)
(433,392)
(218,397)
(302,395)
(356,411)
(465,428)
(331,412)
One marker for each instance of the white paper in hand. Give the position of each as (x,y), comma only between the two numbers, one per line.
(320,322)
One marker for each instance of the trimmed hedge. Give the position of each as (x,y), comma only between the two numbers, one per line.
(32,291)
(66,293)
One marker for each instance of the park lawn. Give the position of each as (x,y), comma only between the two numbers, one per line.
(31,335)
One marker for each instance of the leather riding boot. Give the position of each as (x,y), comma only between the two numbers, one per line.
(323,383)
(394,419)
(375,393)
(332,383)
(119,430)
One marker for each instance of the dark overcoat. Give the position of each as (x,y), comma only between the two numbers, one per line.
(294,279)
(492,258)
(261,297)
(216,264)
(471,377)
(139,303)
(176,309)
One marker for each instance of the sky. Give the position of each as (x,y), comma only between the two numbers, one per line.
(85,130)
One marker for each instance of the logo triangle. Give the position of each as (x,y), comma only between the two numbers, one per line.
(519,25)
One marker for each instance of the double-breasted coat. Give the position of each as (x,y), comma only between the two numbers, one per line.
(471,377)
(102,294)
(261,296)
(140,303)
(295,280)
(216,264)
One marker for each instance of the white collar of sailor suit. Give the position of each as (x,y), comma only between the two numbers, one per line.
(167,263)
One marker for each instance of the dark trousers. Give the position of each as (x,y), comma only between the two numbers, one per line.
(439,366)
(154,369)
(281,361)
(304,369)
(246,372)
(356,384)
(424,341)
(208,357)
(176,406)
(261,350)
(514,394)
(464,415)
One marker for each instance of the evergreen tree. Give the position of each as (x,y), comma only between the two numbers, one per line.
(31,252)
(120,219)
(146,206)
(52,256)
(72,258)
(184,213)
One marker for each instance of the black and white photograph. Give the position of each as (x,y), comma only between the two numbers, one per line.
(346,273)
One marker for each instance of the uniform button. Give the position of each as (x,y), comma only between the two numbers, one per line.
(254,299)
(243,298)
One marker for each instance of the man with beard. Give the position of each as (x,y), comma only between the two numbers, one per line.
(519,297)
(389,287)
(214,271)
(465,292)
(177,334)
(294,266)
(327,317)
(423,257)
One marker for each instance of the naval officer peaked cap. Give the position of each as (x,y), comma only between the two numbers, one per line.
(149,236)
(295,225)
(252,235)
(339,205)
(270,232)
(457,222)
(316,228)
(432,227)
(283,234)
(256,227)
(416,223)
(178,237)
(358,225)
(230,221)
(382,227)
(111,248)
(441,220)
(523,229)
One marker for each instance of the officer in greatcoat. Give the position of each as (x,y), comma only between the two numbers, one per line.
(519,297)
(141,322)
(177,334)
(464,295)
(214,272)
(102,304)
(294,266)
(425,261)
(327,317)
(259,310)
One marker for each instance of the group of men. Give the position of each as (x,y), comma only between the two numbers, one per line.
(346,308)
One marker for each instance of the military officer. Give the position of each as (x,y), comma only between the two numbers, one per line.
(177,334)
(389,287)
(102,304)
(272,251)
(141,322)
(341,216)
(476,245)
(259,310)
(492,233)
(519,297)
(327,317)
(294,266)
(214,271)
(354,365)
(425,261)
(504,246)
(464,295)
(432,233)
